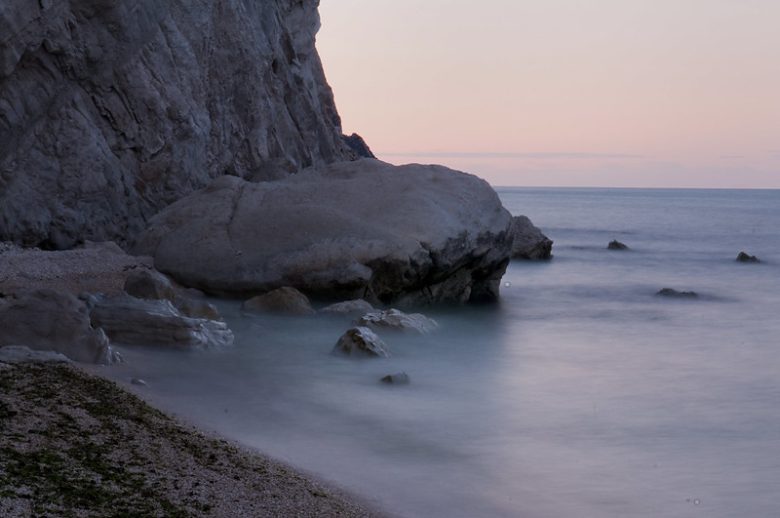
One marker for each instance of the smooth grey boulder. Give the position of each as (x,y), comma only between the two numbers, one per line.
(399,378)
(348,307)
(744,257)
(398,321)
(286,300)
(153,285)
(13,354)
(131,321)
(409,235)
(48,320)
(671,292)
(110,110)
(616,245)
(528,242)
(361,341)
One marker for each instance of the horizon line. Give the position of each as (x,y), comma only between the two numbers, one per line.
(569,155)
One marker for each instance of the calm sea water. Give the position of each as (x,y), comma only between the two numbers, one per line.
(580,395)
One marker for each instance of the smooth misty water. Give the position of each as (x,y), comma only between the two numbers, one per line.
(581,395)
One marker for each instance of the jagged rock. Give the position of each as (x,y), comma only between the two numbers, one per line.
(12,354)
(153,285)
(282,300)
(358,145)
(361,341)
(399,378)
(744,257)
(616,245)
(111,110)
(131,321)
(528,242)
(348,307)
(398,321)
(409,235)
(670,292)
(48,320)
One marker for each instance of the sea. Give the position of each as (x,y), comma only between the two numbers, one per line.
(581,394)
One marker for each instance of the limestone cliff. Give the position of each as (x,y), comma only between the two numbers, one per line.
(112,109)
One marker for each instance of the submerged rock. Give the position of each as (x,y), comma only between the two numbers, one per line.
(744,257)
(399,378)
(348,307)
(409,235)
(398,321)
(131,321)
(49,320)
(528,242)
(283,300)
(670,292)
(617,245)
(361,341)
(138,381)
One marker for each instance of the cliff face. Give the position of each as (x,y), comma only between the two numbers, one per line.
(112,109)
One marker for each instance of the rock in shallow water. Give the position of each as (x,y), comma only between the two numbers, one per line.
(361,341)
(49,320)
(131,321)
(285,300)
(398,321)
(348,307)
(399,378)
(365,229)
(528,242)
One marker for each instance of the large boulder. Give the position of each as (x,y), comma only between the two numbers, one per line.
(528,242)
(153,285)
(396,320)
(361,341)
(288,301)
(409,235)
(110,110)
(49,320)
(131,321)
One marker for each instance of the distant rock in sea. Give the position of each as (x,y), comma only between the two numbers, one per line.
(744,257)
(670,292)
(617,245)
(528,242)
(408,235)
(399,378)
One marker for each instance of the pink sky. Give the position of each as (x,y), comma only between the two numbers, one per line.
(635,93)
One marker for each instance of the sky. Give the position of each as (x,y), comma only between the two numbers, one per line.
(610,93)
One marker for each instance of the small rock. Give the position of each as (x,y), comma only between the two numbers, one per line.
(398,320)
(528,242)
(348,307)
(282,300)
(149,284)
(744,257)
(399,378)
(138,381)
(669,292)
(361,340)
(616,245)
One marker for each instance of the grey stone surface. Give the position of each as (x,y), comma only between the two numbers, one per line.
(49,320)
(110,110)
(361,341)
(153,285)
(528,242)
(396,320)
(355,307)
(284,300)
(409,235)
(399,378)
(131,321)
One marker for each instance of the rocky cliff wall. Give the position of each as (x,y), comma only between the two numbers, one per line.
(112,109)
